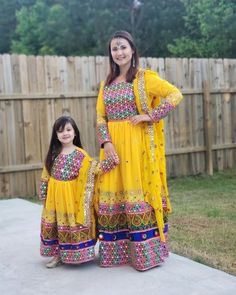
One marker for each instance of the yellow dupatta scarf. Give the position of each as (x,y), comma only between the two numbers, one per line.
(155,185)
(85,187)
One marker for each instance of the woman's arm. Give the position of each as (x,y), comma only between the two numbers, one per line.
(106,166)
(102,128)
(104,137)
(169,94)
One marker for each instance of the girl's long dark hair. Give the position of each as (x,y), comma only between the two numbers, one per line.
(114,68)
(55,145)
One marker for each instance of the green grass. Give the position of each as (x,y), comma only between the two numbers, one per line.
(203,223)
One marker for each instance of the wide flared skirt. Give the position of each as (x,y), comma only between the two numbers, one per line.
(128,230)
(61,234)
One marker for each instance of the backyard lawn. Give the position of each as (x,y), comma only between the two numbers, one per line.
(203,223)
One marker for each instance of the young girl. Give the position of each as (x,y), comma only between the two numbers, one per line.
(133,198)
(67,185)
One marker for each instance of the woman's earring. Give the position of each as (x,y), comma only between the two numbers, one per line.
(113,66)
(133,61)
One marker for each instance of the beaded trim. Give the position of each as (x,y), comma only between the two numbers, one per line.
(144,106)
(142,92)
(43,187)
(88,194)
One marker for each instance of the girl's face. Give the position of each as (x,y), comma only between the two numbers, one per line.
(121,52)
(66,135)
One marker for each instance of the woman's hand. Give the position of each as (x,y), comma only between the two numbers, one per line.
(140,118)
(110,152)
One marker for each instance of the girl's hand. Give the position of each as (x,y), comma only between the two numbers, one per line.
(110,152)
(140,118)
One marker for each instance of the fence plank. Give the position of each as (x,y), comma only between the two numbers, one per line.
(232,81)
(208,128)
(227,113)
(34,91)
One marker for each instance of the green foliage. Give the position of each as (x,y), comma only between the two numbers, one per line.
(183,28)
(8,21)
(161,22)
(210,29)
(31,26)
(83,27)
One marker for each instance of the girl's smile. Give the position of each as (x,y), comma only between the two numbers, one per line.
(67,135)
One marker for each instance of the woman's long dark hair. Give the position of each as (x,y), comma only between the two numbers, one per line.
(55,145)
(114,68)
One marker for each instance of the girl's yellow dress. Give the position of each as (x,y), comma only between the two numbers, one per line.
(68,223)
(133,198)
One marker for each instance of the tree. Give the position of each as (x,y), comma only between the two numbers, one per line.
(8,21)
(162,21)
(64,27)
(82,27)
(185,28)
(210,29)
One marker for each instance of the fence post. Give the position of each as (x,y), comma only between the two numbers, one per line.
(207,127)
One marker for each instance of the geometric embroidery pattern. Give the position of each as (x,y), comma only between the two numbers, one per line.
(131,238)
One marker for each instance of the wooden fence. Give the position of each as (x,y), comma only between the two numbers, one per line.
(34,91)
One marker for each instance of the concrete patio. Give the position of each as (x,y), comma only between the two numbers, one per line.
(23,272)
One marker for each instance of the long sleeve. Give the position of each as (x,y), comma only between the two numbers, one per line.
(102,128)
(43,186)
(169,94)
(105,166)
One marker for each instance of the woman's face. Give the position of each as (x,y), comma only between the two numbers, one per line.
(121,52)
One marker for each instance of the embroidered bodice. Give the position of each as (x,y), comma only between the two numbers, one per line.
(119,101)
(66,167)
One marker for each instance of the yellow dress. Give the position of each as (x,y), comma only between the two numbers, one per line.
(68,223)
(133,198)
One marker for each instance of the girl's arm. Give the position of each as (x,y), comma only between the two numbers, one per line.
(43,186)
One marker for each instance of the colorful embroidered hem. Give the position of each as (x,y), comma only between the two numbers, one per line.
(142,255)
(70,255)
(128,235)
(71,244)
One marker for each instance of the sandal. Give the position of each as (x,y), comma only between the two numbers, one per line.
(54,262)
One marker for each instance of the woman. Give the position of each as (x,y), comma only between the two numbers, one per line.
(133,198)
